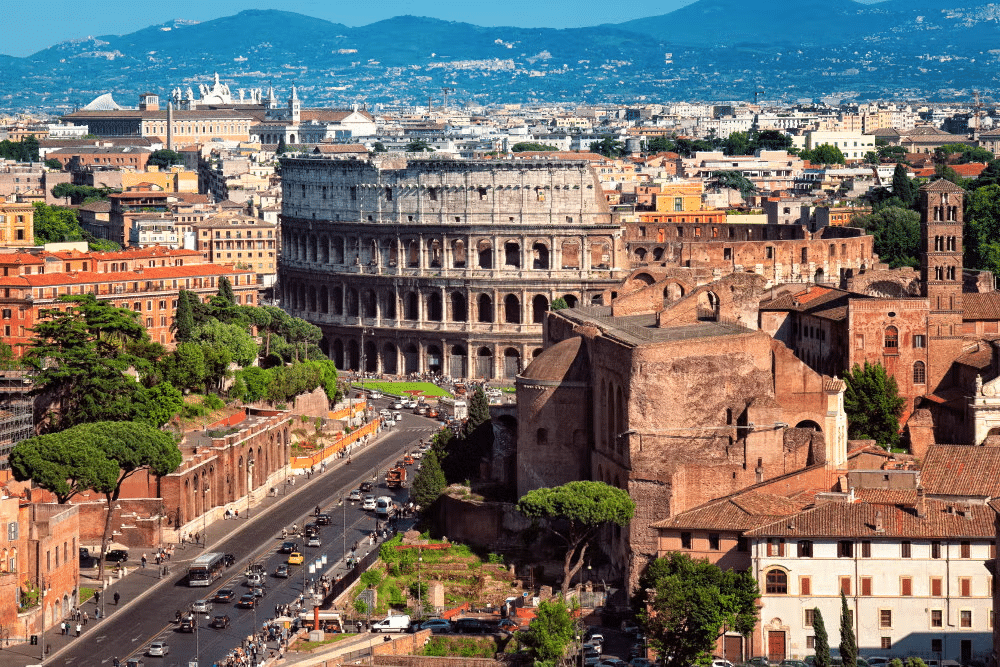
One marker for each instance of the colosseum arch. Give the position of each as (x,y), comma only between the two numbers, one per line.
(485,303)
(370,305)
(311,243)
(337,300)
(458,252)
(511,363)
(459,307)
(352,302)
(484,363)
(708,306)
(353,355)
(570,255)
(393,253)
(324,249)
(458,361)
(672,292)
(390,359)
(657,254)
(435,307)
(338,354)
(435,254)
(412,253)
(570,300)
(539,306)
(511,309)
(640,254)
(324,300)
(337,250)
(411,359)
(371,357)
(600,254)
(372,256)
(387,305)
(540,256)
(410,306)
(434,359)
(311,299)
(640,280)
(484,250)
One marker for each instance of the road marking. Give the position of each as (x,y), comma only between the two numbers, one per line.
(135,639)
(101,638)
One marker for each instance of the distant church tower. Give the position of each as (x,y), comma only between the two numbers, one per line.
(941,275)
(295,106)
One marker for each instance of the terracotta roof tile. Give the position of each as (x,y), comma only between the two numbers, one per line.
(887,496)
(981,306)
(740,512)
(962,470)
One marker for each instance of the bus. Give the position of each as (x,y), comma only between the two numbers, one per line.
(206,568)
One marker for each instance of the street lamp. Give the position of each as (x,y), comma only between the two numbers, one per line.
(344,532)
(204,518)
(249,485)
(420,592)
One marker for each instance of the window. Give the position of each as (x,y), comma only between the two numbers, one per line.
(810,642)
(845,549)
(805,586)
(11,531)
(885,618)
(936,586)
(891,337)
(866,586)
(966,549)
(678,203)
(777,582)
(919,341)
(904,549)
(906,586)
(685,540)
(965,618)
(845,585)
(713,541)
(937,646)
(937,618)
(965,587)
(810,617)
(775,546)
(805,548)
(886,642)
(935,549)
(866,549)
(919,373)
(742,544)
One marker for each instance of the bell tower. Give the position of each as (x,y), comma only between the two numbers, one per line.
(941,275)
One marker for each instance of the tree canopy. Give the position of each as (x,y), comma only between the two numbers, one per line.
(574,512)
(848,644)
(608,146)
(550,633)
(824,154)
(419,146)
(525,146)
(25,150)
(734,180)
(873,405)
(694,602)
(430,480)
(982,229)
(822,644)
(164,158)
(896,233)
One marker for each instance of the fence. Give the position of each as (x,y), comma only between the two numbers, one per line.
(300,462)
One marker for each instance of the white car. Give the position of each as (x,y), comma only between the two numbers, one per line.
(397,405)
(410,404)
(416,454)
(375,395)
(158,649)
(389,423)
(313,541)
(201,606)
(369,502)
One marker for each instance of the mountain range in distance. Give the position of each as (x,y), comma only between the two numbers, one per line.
(711,50)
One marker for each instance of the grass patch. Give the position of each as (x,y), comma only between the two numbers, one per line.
(86,593)
(404,388)
(461,647)
(310,646)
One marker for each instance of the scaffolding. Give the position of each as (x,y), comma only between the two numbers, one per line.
(17,421)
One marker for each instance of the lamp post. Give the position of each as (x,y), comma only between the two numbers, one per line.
(420,592)
(204,518)
(249,485)
(344,532)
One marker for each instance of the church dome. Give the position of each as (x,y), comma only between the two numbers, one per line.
(103,103)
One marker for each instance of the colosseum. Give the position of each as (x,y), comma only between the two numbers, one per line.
(442,266)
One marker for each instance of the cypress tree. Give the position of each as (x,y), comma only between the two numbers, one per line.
(479,410)
(226,291)
(184,317)
(902,188)
(822,642)
(430,481)
(848,644)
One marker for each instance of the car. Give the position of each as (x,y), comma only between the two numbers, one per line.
(397,405)
(281,571)
(389,423)
(248,601)
(354,495)
(220,621)
(612,662)
(296,558)
(201,606)
(229,560)
(416,454)
(224,595)
(365,487)
(254,579)
(507,625)
(591,647)
(420,410)
(470,626)
(408,460)
(795,663)
(641,662)
(384,414)
(375,395)
(432,413)
(288,547)
(323,520)
(314,541)
(258,591)
(436,625)
(116,556)
(158,649)
(369,502)
(758,661)
(187,623)
(629,627)
(719,662)
(134,662)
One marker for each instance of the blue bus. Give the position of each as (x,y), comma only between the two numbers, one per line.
(206,568)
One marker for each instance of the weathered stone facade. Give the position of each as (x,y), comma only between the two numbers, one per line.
(438,265)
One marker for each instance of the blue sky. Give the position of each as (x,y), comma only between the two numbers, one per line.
(59,20)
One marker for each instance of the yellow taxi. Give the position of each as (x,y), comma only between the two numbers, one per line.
(295,558)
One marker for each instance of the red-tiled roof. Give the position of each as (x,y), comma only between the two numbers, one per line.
(886,496)
(962,470)
(739,512)
(143,274)
(981,306)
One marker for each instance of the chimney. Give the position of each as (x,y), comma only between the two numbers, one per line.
(921,505)
(879,526)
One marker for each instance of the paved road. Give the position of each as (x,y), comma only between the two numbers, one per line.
(127,631)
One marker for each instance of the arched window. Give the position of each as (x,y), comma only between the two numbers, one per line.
(919,373)
(891,337)
(777,582)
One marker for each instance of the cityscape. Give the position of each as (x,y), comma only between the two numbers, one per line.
(420,342)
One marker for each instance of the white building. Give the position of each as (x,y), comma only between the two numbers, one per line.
(914,572)
(853,145)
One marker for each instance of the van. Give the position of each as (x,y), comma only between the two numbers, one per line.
(397,417)
(383,505)
(393,623)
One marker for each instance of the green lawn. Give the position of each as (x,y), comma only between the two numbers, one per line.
(404,388)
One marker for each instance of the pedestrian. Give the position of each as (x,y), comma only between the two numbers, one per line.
(79,629)
(117,598)
(62,627)
(143,559)
(197,538)
(97,597)
(85,618)
(237,513)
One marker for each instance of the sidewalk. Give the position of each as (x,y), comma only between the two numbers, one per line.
(141,582)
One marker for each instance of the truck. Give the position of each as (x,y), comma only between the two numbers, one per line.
(458,408)
(395,478)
